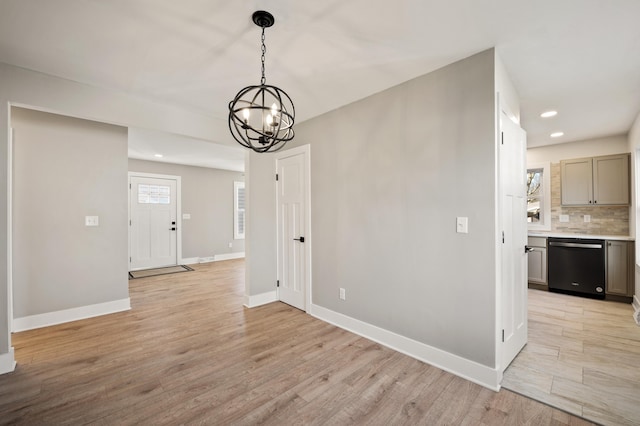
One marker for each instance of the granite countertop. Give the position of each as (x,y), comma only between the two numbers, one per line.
(570,235)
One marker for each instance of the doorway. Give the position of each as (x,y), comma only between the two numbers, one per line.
(513,204)
(154,229)
(293,227)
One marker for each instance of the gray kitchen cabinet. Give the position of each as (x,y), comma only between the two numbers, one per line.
(576,181)
(619,268)
(537,260)
(595,181)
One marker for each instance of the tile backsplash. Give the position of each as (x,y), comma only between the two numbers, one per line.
(605,220)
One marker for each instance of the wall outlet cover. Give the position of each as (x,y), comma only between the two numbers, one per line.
(587,218)
(91,221)
(564,218)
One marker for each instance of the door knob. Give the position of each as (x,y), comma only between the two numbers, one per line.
(301,239)
(528,249)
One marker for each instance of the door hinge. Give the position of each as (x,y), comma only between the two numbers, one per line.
(503,335)
(129,222)
(129,186)
(276,176)
(502,237)
(502,138)
(278,283)
(129,259)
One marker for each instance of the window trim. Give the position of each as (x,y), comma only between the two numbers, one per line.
(545,225)
(237,235)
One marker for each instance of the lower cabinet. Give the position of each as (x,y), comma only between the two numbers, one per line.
(537,260)
(620,255)
(620,266)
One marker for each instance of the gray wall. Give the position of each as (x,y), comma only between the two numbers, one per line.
(207,195)
(389,175)
(260,263)
(64,169)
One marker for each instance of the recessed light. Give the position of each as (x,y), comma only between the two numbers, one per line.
(557,134)
(548,114)
(157,155)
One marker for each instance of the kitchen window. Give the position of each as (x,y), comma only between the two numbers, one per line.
(238,210)
(539,197)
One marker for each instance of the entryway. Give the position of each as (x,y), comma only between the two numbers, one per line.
(154,229)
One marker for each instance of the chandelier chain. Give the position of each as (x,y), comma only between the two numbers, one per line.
(263,80)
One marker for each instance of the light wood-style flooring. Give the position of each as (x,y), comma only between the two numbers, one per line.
(190,353)
(583,356)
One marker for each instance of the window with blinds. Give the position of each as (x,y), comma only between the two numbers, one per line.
(238,210)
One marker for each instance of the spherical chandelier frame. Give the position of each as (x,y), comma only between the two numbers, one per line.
(261,117)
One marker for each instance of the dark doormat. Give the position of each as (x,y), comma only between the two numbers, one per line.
(158,271)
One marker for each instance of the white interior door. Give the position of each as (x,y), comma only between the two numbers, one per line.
(153,222)
(513,201)
(293,227)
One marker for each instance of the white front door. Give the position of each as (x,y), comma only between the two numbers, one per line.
(153,222)
(513,201)
(293,226)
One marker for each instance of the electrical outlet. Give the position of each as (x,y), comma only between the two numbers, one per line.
(587,218)
(230,245)
(343,294)
(564,218)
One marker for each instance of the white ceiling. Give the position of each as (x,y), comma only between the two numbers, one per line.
(580,57)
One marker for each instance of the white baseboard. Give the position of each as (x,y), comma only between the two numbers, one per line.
(467,369)
(229,256)
(68,315)
(215,258)
(636,308)
(7,362)
(260,299)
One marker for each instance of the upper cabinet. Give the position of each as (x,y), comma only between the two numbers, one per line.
(595,181)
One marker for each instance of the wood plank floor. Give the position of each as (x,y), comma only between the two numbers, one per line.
(583,356)
(190,353)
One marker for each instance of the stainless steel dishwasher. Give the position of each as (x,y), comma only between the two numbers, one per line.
(577,266)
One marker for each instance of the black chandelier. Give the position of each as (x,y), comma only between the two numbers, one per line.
(261,117)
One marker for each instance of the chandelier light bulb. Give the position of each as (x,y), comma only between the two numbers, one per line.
(246,114)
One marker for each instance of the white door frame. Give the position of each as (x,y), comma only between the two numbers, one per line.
(10,230)
(178,180)
(500,345)
(306,150)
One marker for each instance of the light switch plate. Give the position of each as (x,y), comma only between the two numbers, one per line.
(564,218)
(462,225)
(91,220)
(186,215)
(587,218)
